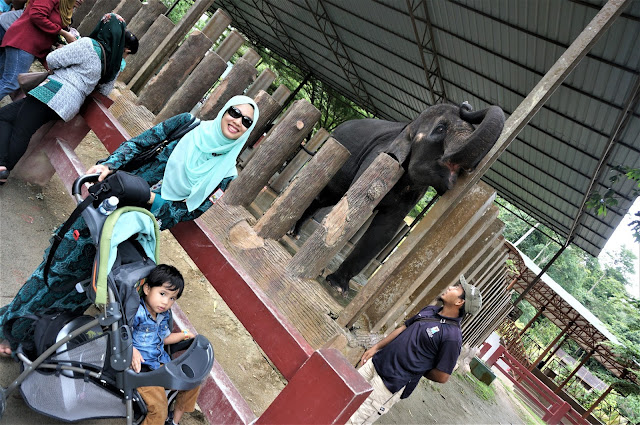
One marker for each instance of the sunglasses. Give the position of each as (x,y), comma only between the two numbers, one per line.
(235,113)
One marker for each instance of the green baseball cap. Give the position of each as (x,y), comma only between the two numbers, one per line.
(472,297)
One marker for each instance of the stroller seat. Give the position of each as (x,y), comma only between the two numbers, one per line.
(86,374)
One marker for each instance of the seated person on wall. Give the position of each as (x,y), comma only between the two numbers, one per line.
(150,331)
(428,344)
(76,69)
(30,36)
(184,177)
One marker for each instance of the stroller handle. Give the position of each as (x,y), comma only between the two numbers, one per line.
(77,184)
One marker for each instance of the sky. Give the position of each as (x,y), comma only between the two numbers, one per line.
(622,236)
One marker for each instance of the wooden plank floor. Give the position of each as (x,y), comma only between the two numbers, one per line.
(303,301)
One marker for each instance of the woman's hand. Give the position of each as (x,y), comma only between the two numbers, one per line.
(70,38)
(136,360)
(103,170)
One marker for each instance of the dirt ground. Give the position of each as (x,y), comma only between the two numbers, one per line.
(28,215)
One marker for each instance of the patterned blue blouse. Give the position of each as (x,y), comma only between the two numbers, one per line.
(170,212)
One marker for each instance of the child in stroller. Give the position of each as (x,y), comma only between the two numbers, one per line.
(85,372)
(150,331)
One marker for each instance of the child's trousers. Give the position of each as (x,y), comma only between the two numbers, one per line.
(156,400)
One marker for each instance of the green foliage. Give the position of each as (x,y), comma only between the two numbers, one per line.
(600,285)
(179,10)
(600,202)
(422,203)
(334,108)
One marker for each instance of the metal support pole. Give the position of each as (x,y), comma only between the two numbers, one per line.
(543,271)
(555,340)
(575,370)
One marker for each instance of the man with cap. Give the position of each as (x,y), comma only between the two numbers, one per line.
(428,344)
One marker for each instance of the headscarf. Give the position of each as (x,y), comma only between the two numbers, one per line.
(110,34)
(192,172)
(66,10)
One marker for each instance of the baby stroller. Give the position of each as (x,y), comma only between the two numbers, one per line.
(85,374)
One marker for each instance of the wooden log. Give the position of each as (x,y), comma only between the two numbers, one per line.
(168,45)
(82,11)
(219,22)
(173,73)
(346,217)
(299,160)
(427,256)
(272,152)
(288,207)
(148,44)
(230,45)
(251,56)
(145,17)
(128,9)
(203,77)
(263,82)
(237,80)
(281,94)
(269,109)
(90,21)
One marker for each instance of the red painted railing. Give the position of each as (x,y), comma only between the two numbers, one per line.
(534,389)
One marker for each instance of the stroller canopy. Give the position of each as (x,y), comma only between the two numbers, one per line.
(120,226)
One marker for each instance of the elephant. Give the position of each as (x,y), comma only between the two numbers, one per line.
(434,149)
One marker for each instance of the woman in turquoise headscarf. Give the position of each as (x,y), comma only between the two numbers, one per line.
(182,178)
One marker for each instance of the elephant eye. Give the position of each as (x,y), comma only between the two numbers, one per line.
(440,129)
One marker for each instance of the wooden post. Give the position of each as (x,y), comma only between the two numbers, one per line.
(419,276)
(168,44)
(195,87)
(272,152)
(216,25)
(289,206)
(269,109)
(173,73)
(241,75)
(346,217)
(128,9)
(251,56)
(152,38)
(81,12)
(300,159)
(263,82)
(145,17)
(281,94)
(230,45)
(90,21)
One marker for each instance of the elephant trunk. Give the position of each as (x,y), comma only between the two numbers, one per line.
(469,154)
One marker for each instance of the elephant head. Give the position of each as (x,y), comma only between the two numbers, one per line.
(443,142)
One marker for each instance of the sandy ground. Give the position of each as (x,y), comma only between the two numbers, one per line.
(29,214)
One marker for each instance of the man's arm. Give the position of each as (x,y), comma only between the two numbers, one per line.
(380,345)
(436,375)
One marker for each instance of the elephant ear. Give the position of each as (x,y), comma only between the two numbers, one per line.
(400,147)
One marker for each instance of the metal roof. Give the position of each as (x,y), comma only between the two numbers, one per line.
(395,58)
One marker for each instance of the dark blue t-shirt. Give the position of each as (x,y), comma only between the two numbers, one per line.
(418,349)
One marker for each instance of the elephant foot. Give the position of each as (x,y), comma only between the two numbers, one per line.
(339,284)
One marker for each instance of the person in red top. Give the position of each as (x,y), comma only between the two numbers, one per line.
(31,36)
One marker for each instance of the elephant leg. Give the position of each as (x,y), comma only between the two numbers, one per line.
(382,230)
(321,201)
